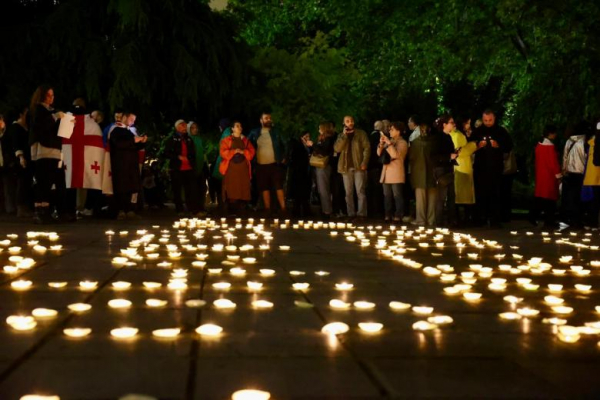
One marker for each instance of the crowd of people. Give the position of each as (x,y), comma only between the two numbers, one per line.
(450,173)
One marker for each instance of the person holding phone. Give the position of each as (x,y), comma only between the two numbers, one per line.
(392,174)
(355,150)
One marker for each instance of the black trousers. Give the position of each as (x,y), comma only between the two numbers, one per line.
(571,198)
(123,201)
(506,184)
(201,186)
(543,206)
(50,184)
(488,197)
(25,187)
(187,181)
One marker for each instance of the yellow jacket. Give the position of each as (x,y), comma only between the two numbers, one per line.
(592,173)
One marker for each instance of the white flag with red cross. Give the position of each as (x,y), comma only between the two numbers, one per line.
(84,157)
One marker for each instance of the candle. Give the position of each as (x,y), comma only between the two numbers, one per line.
(335,328)
(254,285)
(528,312)
(88,285)
(195,303)
(21,285)
(166,333)
(124,333)
(344,286)
(423,326)
(224,304)
(422,310)
(510,315)
(440,320)
(156,303)
(370,327)
(221,285)
(209,330)
(119,303)
(44,313)
(152,285)
(79,307)
(300,286)
(121,285)
(339,304)
(399,306)
(21,323)
(57,285)
(513,299)
(262,304)
(250,394)
(562,309)
(321,273)
(568,334)
(554,321)
(364,305)
(77,332)
(267,272)
(470,296)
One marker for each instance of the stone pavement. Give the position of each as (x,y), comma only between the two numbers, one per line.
(281,349)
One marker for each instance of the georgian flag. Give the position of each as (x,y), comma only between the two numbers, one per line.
(87,164)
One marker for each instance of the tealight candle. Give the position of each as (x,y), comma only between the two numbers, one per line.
(364,305)
(88,285)
(321,273)
(510,315)
(583,288)
(152,285)
(221,285)
(344,286)
(339,304)
(166,333)
(562,309)
(254,285)
(250,394)
(156,303)
(195,303)
(121,285)
(44,313)
(335,328)
(262,304)
(554,321)
(79,307)
(21,285)
(267,272)
(440,320)
(249,260)
(528,312)
(21,323)
(423,326)
(119,303)
(77,332)
(124,333)
(399,306)
(300,286)
(470,296)
(553,300)
(209,330)
(370,327)
(422,310)
(237,271)
(224,304)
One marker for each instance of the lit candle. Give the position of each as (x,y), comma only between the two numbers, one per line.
(262,304)
(364,305)
(209,330)
(250,394)
(195,303)
(335,328)
(399,306)
(370,327)
(344,286)
(510,315)
(124,333)
(423,326)
(440,320)
(422,310)
(44,313)
(21,285)
(221,285)
(254,285)
(57,285)
(121,285)
(339,304)
(166,333)
(152,285)
(528,312)
(79,307)
(119,303)
(267,272)
(88,285)
(300,286)
(156,303)
(224,304)
(77,332)
(21,323)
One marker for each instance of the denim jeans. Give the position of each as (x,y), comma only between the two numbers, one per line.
(356,179)
(393,195)
(323,176)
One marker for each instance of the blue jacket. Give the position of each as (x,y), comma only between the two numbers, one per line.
(278,145)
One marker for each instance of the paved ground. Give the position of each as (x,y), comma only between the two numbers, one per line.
(282,350)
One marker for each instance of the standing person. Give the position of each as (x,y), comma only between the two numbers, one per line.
(124,158)
(200,166)
(45,147)
(237,153)
(324,149)
(573,168)
(300,174)
(18,133)
(98,117)
(493,143)
(270,160)
(547,179)
(355,150)
(392,173)
(8,166)
(118,116)
(445,160)
(422,177)
(591,180)
(181,153)
(463,171)
(414,124)
(216,179)
(374,187)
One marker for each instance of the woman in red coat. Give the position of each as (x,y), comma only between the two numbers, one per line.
(236,153)
(547,179)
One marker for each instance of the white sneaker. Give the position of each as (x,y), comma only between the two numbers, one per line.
(87,213)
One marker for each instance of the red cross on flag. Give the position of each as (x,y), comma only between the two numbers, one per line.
(86,164)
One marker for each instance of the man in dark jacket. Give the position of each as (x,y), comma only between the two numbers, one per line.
(374,187)
(493,143)
(181,154)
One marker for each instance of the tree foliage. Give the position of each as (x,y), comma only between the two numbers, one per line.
(162,58)
(534,61)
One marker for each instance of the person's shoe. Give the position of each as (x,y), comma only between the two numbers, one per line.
(407,219)
(397,219)
(417,223)
(87,213)
(387,219)
(132,215)
(121,216)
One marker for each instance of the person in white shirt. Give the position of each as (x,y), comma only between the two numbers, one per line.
(573,169)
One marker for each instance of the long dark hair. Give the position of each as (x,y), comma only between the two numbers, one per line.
(38,96)
(441,121)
